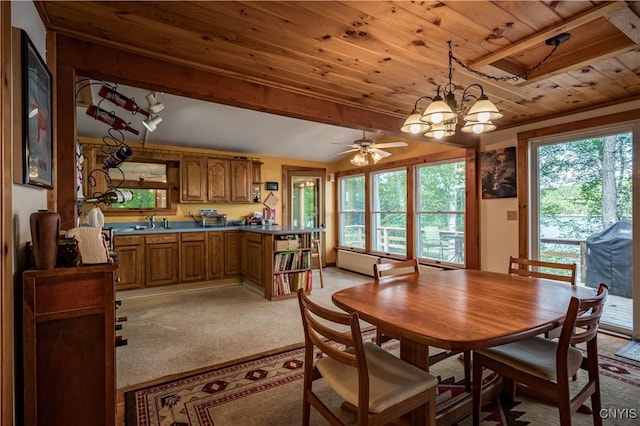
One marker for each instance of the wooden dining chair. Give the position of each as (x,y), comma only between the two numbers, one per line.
(544,366)
(393,269)
(412,267)
(534,268)
(565,272)
(377,385)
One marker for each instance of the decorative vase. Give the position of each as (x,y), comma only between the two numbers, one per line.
(45,227)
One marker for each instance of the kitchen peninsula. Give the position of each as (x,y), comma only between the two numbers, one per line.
(273,259)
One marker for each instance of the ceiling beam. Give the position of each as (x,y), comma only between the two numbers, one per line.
(536,39)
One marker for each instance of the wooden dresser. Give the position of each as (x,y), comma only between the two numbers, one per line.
(69,348)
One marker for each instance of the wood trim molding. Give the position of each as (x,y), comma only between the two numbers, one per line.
(7,326)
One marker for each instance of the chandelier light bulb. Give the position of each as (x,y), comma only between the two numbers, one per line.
(438,134)
(414,125)
(437,118)
(484,116)
(478,128)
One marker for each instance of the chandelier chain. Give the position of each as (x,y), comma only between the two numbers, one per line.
(504,78)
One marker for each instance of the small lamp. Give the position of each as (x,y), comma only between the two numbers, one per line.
(155,106)
(152,122)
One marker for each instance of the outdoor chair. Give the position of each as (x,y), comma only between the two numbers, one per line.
(544,366)
(375,384)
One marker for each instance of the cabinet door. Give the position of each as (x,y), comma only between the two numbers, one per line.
(193,261)
(130,272)
(68,353)
(193,172)
(215,255)
(241,180)
(218,185)
(254,268)
(256,172)
(231,254)
(162,264)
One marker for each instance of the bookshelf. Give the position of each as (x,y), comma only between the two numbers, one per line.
(287,264)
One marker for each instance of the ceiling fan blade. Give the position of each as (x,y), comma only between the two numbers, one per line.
(350,150)
(381,152)
(391,144)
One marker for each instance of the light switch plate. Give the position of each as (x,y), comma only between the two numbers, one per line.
(512,215)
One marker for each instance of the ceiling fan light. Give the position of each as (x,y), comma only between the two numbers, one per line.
(414,125)
(437,112)
(359,160)
(375,157)
(483,110)
(477,127)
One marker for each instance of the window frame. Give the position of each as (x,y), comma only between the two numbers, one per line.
(454,240)
(470,156)
(373,212)
(341,212)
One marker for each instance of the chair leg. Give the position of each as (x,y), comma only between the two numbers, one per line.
(320,270)
(467,370)
(477,392)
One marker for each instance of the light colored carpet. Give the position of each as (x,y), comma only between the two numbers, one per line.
(175,332)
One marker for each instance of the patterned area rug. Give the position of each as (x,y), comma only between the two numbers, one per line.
(267,391)
(631,351)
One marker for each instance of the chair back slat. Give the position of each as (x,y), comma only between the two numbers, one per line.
(405,267)
(583,317)
(324,328)
(565,272)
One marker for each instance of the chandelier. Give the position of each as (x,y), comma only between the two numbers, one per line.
(440,119)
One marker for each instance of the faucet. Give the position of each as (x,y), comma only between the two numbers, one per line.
(152,220)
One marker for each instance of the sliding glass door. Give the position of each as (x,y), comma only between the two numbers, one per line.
(582,212)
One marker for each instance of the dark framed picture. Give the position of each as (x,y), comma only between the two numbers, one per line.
(498,173)
(271,186)
(36,116)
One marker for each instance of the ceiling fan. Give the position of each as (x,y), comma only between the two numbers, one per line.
(368,147)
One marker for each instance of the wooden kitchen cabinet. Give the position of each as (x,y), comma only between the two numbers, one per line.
(68,343)
(215,255)
(131,262)
(231,254)
(161,259)
(193,178)
(241,181)
(218,180)
(253,251)
(193,256)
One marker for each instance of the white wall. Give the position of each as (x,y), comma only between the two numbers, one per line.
(26,199)
(499,237)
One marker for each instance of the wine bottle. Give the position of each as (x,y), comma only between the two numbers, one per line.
(122,101)
(111,196)
(117,157)
(110,119)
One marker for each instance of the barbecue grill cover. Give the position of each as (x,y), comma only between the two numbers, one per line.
(609,259)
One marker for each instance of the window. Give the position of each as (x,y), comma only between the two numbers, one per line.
(351,210)
(440,212)
(389,212)
(149,182)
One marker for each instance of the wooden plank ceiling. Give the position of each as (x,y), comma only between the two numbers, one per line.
(381,56)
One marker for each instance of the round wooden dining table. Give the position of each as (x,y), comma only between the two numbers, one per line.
(459,310)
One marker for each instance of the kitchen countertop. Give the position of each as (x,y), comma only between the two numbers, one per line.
(136,229)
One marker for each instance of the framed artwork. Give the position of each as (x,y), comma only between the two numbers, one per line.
(498,173)
(36,116)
